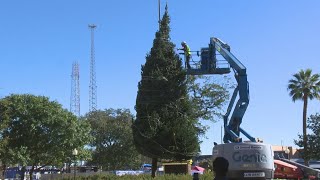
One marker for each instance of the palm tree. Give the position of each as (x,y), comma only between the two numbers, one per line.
(304,86)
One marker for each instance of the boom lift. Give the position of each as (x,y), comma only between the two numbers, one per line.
(247,160)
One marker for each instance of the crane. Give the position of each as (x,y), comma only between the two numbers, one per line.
(247,159)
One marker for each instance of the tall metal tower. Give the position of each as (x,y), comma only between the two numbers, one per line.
(75,90)
(92,86)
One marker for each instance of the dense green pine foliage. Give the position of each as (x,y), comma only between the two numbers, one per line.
(166,126)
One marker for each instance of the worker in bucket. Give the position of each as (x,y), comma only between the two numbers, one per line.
(220,167)
(187,53)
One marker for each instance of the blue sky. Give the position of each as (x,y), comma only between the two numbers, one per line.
(274,39)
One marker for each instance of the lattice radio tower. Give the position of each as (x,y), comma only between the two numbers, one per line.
(92,86)
(75,90)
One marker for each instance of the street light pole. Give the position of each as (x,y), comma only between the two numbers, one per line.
(74,153)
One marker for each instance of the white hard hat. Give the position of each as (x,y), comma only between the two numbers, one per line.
(183,42)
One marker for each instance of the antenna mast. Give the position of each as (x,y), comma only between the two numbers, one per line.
(75,90)
(159,13)
(92,86)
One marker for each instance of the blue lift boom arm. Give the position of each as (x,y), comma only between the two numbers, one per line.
(209,65)
(233,129)
(247,160)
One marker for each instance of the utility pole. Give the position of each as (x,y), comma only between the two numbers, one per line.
(221,136)
(75,90)
(159,13)
(92,86)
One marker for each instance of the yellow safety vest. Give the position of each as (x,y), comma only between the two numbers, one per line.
(187,50)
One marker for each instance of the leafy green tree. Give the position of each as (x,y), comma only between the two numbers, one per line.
(208,95)
(166,127)
(313,138)
(304,86)
(36,131)
(113,147)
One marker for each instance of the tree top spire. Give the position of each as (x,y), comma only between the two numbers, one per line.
(166,8)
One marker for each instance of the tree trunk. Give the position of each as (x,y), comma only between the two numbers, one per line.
(305,140)
(4,167)
(23,170)
(69,167)
(154,167)
(31,172)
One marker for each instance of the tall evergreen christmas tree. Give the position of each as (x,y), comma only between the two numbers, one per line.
(166,127)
